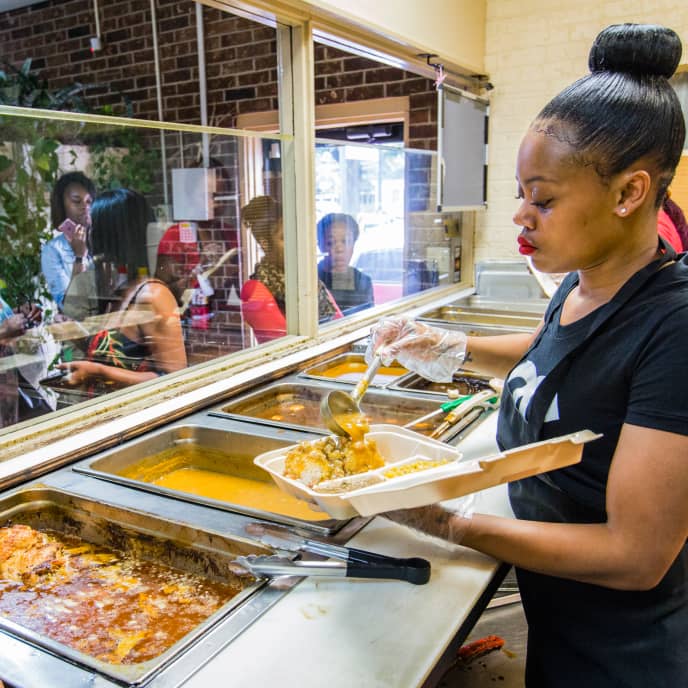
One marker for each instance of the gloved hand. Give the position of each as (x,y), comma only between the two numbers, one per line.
(450,522)
(433,353)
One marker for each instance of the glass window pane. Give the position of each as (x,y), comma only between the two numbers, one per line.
(155,267)
(377,231)
(375,174)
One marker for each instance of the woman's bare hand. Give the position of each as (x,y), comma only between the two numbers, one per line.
(80,372)
(12,327)
(78,242)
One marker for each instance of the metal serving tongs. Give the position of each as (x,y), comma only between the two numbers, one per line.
(461,412)
(352,563)
(338,405)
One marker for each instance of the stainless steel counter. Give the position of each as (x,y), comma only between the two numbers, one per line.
(92,482)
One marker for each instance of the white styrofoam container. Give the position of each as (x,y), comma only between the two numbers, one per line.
(454,479)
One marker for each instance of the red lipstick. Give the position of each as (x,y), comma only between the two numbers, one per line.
(525,248)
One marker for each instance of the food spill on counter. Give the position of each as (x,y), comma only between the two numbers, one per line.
(215,474)
(100,601)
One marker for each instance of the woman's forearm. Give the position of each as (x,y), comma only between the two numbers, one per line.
(122,376)
(588,553)
(497,355)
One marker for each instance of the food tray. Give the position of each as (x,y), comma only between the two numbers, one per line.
(287,404)
(454,479)
(350,368)
(465,382)
(523,306)
(210,466)
(524,322)
(139,535)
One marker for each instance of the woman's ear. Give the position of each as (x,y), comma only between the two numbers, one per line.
(634,187)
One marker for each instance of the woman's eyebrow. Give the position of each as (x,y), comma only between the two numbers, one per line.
(537,178)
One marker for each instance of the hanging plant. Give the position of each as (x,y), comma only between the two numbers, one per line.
(29,168)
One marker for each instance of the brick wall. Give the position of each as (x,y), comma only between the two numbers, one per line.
(241,62)
(341,77)
(534,48)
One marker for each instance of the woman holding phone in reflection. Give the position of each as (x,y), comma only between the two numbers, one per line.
(67,253)
(141,335)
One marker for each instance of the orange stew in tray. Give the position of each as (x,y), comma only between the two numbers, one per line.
(353,370)
(97,600)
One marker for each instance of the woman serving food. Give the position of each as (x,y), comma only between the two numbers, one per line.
(600,547)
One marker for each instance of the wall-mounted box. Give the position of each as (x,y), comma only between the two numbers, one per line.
(192,193)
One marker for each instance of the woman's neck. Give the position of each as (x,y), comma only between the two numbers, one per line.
(599,283)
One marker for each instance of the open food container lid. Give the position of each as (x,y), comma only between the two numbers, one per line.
(405,481)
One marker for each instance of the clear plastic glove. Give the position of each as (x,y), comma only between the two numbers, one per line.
(431,352)
(449,523)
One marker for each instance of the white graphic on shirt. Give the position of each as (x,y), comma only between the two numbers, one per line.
(527,374)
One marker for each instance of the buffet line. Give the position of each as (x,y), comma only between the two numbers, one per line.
(134,566)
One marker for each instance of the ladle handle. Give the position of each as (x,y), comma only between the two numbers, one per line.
(364,382)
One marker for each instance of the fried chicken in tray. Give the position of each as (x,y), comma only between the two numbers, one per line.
(26,554)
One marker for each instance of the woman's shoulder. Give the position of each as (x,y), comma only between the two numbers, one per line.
(153,288)
(672,283)
(361,277)
(661,308)
(153,293)
(57,243)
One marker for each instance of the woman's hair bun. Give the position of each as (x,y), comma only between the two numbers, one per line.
(639,49)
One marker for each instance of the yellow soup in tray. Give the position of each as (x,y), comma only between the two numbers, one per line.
(352,371)
(218,475)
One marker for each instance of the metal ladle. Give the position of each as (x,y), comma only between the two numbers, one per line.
(338,404)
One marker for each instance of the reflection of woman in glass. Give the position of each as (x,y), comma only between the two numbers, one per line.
(263,296)
(141,336)
(351,288)
(66,255)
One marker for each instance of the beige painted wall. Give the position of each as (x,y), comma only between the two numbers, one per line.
(452,29)
(533,49)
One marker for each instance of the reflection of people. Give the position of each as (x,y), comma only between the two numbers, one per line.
(351,288)
(15,404)
(176,261)
(67,254)
(11,325)
(263,304)
(142,335)
(600,546)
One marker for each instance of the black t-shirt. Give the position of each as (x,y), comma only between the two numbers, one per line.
(634,370)
(352,297)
